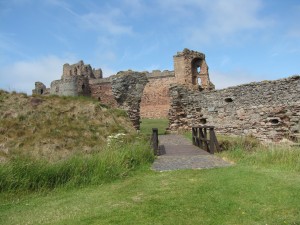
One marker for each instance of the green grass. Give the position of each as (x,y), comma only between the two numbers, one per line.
(108,164)
(234,195)
(148,124)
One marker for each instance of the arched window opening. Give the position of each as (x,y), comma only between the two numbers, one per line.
(83,87)
(198,69)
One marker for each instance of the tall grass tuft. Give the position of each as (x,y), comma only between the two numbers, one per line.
(113,162)
(248,150)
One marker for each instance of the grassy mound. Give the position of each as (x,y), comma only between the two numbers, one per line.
(54,128)
(49,142)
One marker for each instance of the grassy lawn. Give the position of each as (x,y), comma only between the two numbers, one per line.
(148,124)
(235,195)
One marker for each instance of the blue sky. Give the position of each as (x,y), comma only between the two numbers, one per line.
(243,40)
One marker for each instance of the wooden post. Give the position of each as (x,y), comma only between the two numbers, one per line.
(204,140)
(194,135)
(155,141)
(211,141)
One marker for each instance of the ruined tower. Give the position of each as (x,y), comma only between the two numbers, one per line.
(191,70)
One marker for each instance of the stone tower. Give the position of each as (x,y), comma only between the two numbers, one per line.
(191,69)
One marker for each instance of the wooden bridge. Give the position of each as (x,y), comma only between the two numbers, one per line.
(177,152)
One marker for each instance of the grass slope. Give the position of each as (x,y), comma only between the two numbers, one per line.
(54,128)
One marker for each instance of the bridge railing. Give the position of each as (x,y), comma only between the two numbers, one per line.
(205,138)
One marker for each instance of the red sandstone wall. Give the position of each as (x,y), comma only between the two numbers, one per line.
(155,100)
(103,92)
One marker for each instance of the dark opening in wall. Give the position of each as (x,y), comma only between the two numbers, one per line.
(203,121)
(274,121)
(99,99)
(228,100)
(83,87)
(42,91)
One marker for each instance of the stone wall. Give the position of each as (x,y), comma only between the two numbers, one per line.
(268,110)
(81,69)
(127,88)
(71,86)
(101,89)
(40,89)
(155,100)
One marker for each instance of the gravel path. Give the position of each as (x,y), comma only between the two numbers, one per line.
(177,153)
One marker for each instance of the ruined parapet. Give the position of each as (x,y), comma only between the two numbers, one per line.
(159,74)
(268,110)
(191,70)
(127,88)
(80,69)
(40,89)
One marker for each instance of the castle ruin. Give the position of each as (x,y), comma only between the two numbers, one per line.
(268,110)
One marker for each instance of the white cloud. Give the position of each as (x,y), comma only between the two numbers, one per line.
(106,22)
(8,45)
(21,76)
(216,20)
(103,20)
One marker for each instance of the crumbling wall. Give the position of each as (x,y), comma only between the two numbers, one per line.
(155,101)
(191,70)
(268,110)
(71,86)
(101,89)
(40,89)
(74,81)
(127,88)
(81,69)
